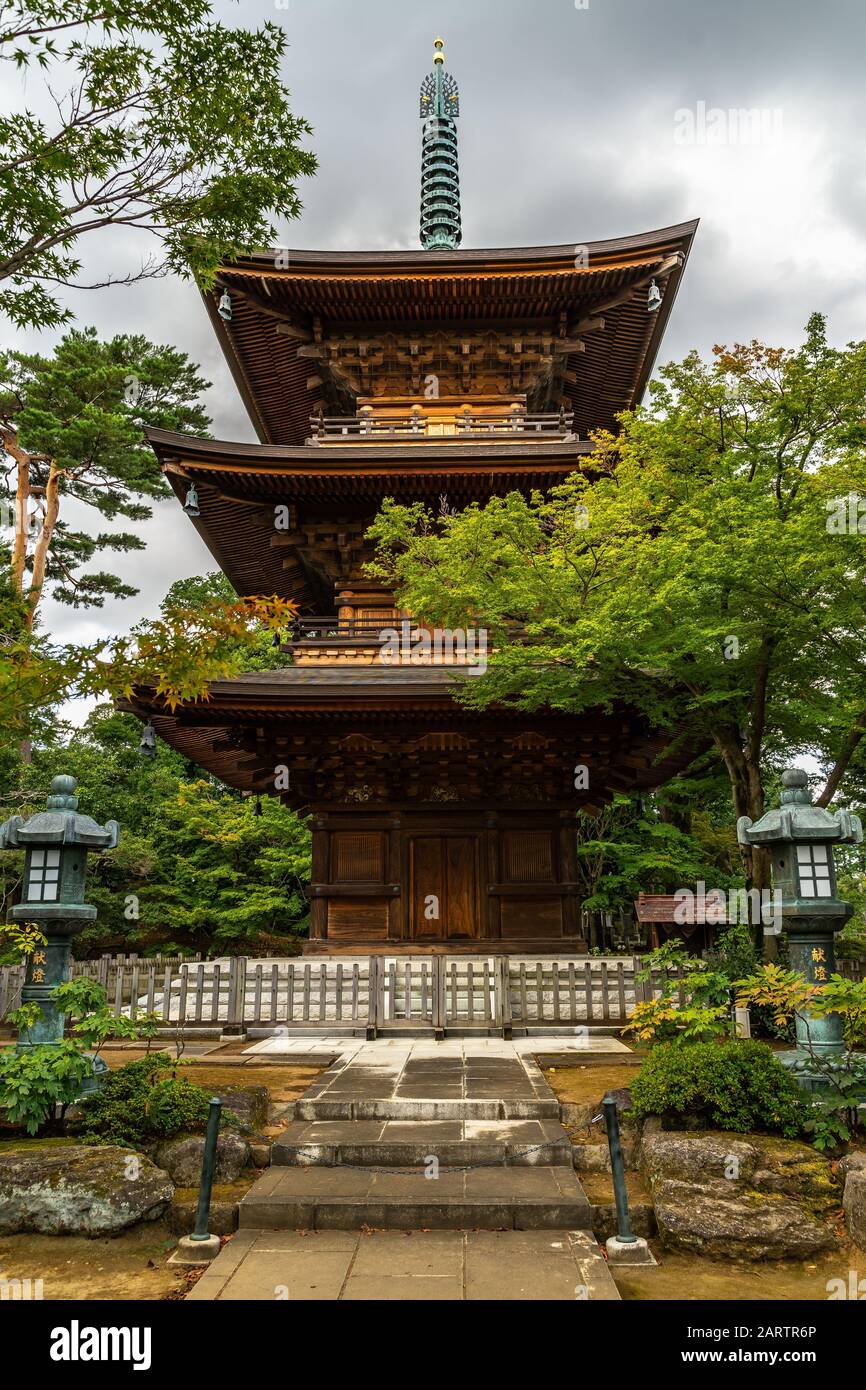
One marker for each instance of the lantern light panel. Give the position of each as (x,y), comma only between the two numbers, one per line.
(813,869)
(42,882)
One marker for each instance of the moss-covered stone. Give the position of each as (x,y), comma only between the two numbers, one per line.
(182,1157)
(223,1218)
(249,1104)
(739,1196)
(855,1206)
(73,1189)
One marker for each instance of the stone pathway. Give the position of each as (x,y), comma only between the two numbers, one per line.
(392,1266)
(412,1171)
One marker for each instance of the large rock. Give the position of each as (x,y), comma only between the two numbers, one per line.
(854,1202)
(78,1189)
(595,1158)
(182,1157)
(733,1196)
(851,1163)
(604,1219)
(249,1104)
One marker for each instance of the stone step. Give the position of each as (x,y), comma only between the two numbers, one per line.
(331,1107)
(407,1144)
(429,1088)
(348,1199)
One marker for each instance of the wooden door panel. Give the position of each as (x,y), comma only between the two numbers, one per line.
(426,881)
(461,917)
(443,878)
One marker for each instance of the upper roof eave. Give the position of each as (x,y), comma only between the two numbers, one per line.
(508,258)
(360,286)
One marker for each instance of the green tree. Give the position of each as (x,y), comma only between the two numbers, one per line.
(171,122)
(696,569)
(196,868)
(72,428)
(626,849)
(236,878)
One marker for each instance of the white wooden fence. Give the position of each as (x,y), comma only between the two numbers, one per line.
(371,994)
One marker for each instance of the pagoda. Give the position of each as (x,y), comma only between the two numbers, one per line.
(445,376)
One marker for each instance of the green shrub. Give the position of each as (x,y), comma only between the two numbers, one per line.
(143,1102)
(728,1085)
(36,1079)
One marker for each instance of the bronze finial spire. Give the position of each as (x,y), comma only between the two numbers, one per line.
(440,173)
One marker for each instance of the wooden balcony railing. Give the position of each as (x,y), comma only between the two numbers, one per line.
(341,630)
(417,426)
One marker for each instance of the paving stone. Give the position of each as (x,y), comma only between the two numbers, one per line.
(396,1254)
(530,1267)
(397,1143)
(289,1276)
(429,1266)
(416,1289)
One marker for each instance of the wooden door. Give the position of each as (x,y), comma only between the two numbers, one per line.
(443,887)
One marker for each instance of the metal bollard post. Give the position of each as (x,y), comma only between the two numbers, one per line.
(625,1234)
(625,1248)
(208,1166)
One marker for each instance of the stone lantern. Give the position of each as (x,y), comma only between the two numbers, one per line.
(57,842)
(800,839)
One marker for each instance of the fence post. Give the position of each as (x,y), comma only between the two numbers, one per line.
(505,998)
(201,1247)
(235,1022)
(643,989)
(625,1248)
(373,1004)
(439,1010)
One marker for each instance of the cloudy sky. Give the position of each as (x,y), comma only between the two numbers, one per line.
(576,125)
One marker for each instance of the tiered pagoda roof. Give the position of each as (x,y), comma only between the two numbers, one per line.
(330,349)
(310,329)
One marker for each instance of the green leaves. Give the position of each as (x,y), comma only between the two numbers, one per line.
(173,123)
(144,1101)
(230,876)
(685,570)
(35,1080)
(734,1085)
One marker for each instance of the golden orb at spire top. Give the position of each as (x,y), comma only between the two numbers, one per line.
(439,56)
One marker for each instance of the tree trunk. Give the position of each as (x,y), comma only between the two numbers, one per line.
(23,493)
(747,796)
(43,545)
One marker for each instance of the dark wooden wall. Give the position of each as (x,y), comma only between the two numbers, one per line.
(444,878)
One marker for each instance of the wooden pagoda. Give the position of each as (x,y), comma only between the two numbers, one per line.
(446,376)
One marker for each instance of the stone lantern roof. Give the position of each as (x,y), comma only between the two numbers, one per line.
(60,824)
(796,820)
